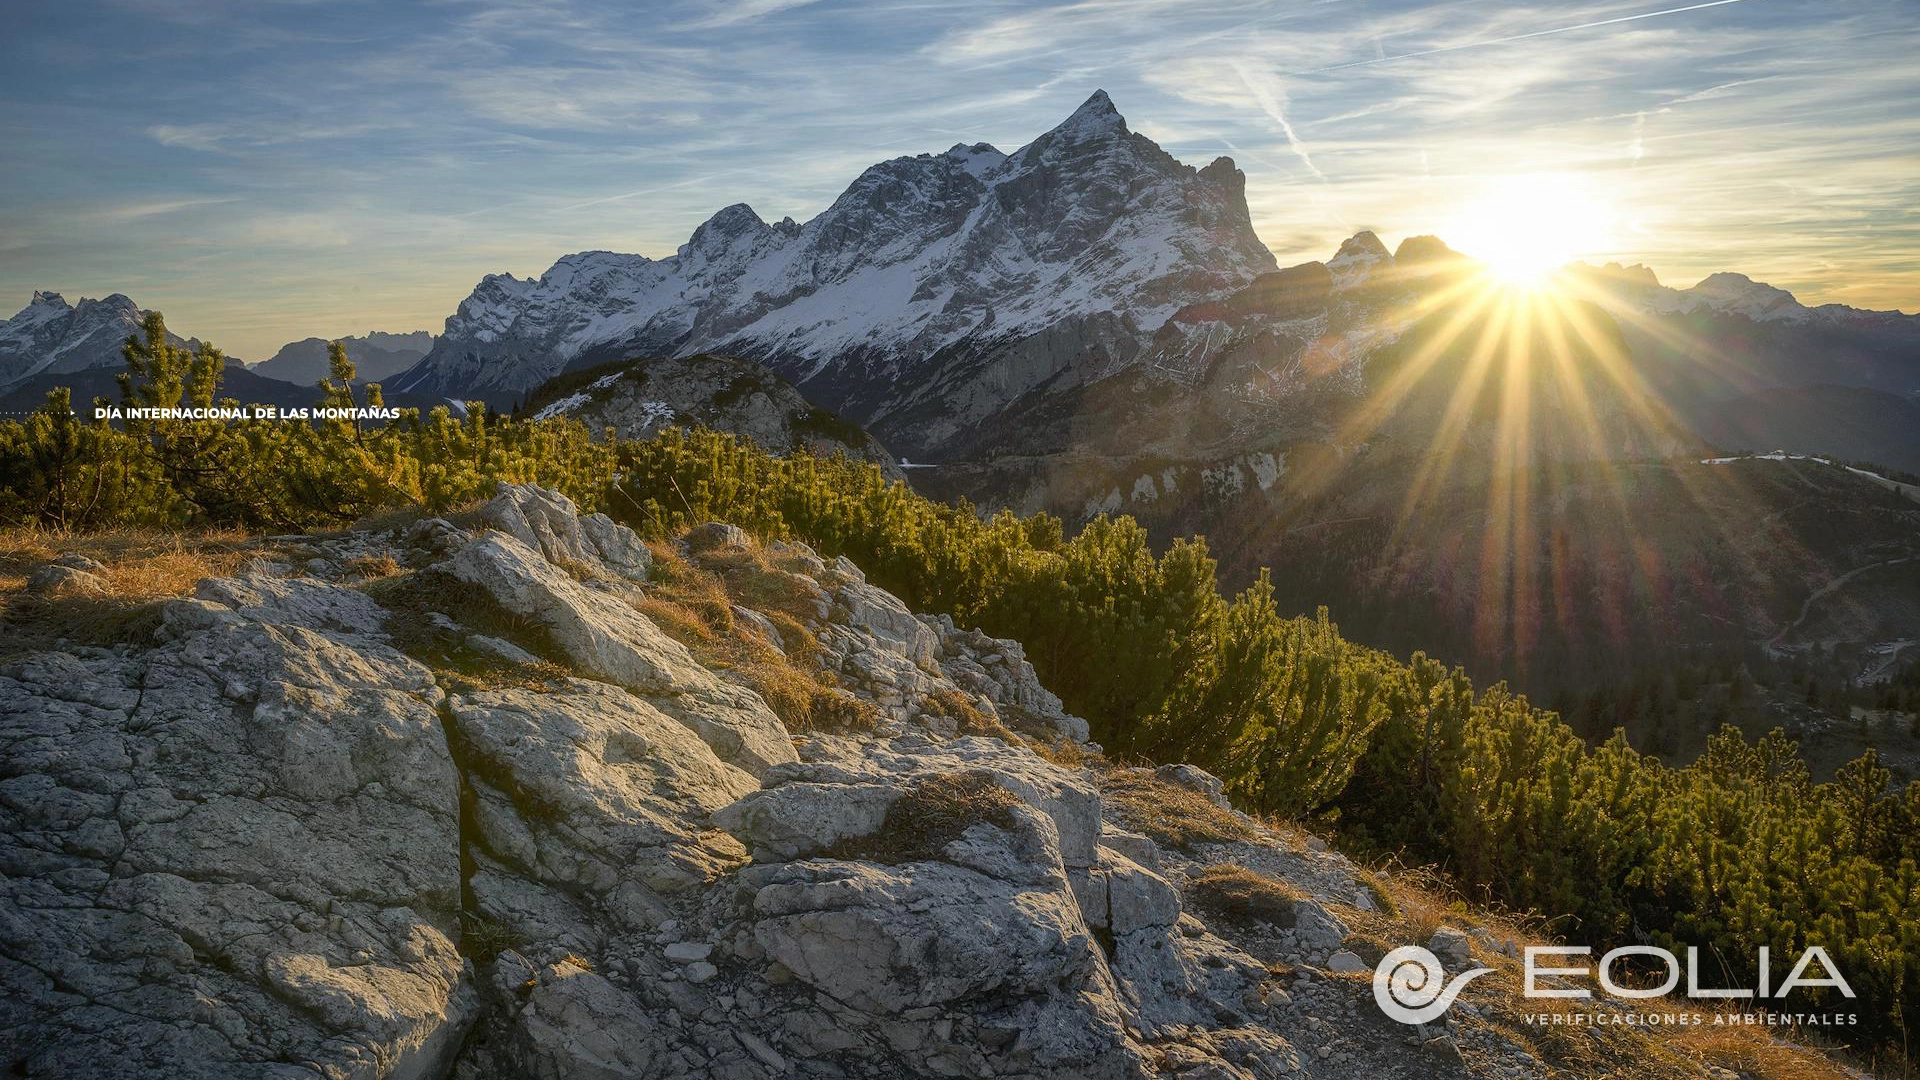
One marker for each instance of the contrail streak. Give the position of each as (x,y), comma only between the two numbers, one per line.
(1521,37)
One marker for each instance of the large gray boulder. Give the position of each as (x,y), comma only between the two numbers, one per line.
(591,792)
(808,807)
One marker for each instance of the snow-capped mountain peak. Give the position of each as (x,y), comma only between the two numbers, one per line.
(1360,257)
(50,334)
(1090,237)
(1741,295)
(1096,118)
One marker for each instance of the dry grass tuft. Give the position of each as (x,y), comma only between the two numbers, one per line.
(750,576)
(482,939)
(411,601)
(1172,815)
(1065,753)
(843,714)
(1242,896)
(373,567)
(967,717)
(933,813)
(694,606)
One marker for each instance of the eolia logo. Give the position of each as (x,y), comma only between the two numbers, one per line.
(1410,985)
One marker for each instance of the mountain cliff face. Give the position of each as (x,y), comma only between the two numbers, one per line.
(935,290)
(52,336)
(375,357)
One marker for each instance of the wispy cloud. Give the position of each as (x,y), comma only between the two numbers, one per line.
(274,170)
(1383,58)
(135,211)
(1271,95)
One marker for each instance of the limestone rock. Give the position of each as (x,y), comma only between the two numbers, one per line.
(810,806)
(1345,962)
(607,638)
(590,790)
(1450,944)
(55,579)
(1195,778)
(236,848)
(551,524)
(715,534)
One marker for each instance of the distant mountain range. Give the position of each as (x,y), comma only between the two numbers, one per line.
(941,294)
(931,295)
(54,343)
(375,357)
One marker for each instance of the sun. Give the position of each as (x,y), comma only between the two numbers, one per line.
(1524,228)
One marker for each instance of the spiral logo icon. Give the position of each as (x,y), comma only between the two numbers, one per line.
(1410,986)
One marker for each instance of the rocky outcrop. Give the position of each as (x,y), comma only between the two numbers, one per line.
(549,523)
(638,397)
(269,842)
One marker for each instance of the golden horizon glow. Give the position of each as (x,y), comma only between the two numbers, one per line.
(1525,228)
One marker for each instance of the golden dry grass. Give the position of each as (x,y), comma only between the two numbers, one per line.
(967,717)
(466,515)
(693,605)
(753,577)
(140,563)
(933,813)
(141,569)
(1065,753)
(1239,895)
(1172,815)
(412,598)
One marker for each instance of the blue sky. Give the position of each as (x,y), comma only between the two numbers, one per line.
(264,171)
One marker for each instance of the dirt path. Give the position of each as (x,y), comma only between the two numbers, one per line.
(1823,592)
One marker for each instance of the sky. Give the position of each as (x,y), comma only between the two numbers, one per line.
(267,170)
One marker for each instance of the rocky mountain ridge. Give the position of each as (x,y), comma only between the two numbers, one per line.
(282,838)
(937,287)
(943,296)
(1637,287)
(636,399)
